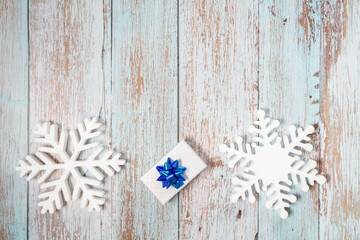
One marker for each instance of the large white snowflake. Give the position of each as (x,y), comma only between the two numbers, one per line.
(61,154)
(273,164)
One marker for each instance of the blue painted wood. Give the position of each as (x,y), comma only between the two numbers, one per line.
(289,65)
(144,113)
(66,86)
(13,118)
(340,120)
(218,99)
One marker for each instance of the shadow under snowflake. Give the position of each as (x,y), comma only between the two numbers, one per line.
(272,163)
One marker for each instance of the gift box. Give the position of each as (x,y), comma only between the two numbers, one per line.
(173,172)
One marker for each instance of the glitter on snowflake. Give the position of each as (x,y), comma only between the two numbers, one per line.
(67,151)
(272,165)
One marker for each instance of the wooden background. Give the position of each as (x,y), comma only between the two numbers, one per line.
(157,71)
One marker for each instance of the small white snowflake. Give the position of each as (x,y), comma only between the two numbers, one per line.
(273,164)
(62,154)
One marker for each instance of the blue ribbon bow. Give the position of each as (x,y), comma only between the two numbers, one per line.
(171,174)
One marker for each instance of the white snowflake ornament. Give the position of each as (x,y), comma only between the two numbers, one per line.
(273,164)
(61,153)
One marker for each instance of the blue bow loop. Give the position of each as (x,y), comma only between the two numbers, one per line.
(171,174)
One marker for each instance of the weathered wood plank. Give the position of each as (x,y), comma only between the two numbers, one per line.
(340,120)
(218,99)
(144,107)
(288,85)
(105,112)
(66,86)
(13,118)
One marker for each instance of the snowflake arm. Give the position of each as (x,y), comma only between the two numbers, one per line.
(237,153)
(87,130)
(264,130)
(307,174)
(305,171)
(52,198)
(244,187)
(299,140)
(48,135)
(34,164)
(279,198)
(108,164)
(90,197)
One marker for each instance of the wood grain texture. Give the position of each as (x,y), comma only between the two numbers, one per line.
(218,98)
(144,113)
(13,117)
(289,68)
(340,120)
(66,86)
(157,71)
